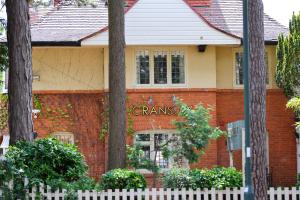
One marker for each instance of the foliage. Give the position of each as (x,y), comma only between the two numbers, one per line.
(288,55)
(136,159)
(105,119)
(294,104)
(194,134)
(218,177)
(178,178)
(122,179)
(45,161)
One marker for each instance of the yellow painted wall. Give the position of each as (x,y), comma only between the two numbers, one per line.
(87,68)
(226,66)
(68,68)
(200,67)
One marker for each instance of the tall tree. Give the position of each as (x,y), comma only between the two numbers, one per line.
(117,86)
(20,70)
(257,82)
(288,55)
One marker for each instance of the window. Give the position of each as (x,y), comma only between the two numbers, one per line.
(178,74)
(151,145)
(160,67)
(142,64)
(239,68)
(64,137)
(4,81)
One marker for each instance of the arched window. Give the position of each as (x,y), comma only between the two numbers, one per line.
(65,137)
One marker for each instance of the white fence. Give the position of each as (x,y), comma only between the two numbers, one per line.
(158,194)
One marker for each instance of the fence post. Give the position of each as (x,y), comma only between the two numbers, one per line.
(139,194)
(79,192)
(294,193)
(124,194)
(109,194)
(213,193)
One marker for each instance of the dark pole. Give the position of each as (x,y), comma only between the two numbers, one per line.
(248,192)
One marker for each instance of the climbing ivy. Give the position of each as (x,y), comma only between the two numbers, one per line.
(105,119)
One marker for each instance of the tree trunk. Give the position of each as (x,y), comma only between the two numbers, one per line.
(257,99)
(117,86)
(20,71)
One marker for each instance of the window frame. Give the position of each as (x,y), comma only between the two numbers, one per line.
(168,132)
(237,86)
(169,83)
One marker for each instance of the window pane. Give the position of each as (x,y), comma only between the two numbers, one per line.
(177,67)
(159,140)
(142,137)
(160,68)
(146,151)
(142,65)
(267,68)
(239,68)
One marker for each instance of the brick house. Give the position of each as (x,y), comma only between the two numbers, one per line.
(190,49)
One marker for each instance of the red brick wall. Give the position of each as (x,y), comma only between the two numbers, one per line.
(83,119)
(282,141)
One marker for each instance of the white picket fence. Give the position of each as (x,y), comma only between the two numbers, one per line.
(161,194)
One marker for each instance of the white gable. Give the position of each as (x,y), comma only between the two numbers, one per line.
(165,22)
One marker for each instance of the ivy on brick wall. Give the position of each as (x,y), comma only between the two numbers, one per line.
(105,118)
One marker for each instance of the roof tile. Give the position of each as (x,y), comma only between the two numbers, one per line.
(199,3)
(71,23)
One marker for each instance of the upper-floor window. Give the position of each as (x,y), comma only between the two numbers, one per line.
(239,68)
(160,67)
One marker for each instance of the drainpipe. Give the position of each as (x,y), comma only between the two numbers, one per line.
(248,189)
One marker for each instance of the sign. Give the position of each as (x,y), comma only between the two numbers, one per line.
(235,131)
(153,110)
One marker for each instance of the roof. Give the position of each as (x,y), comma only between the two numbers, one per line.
(69,24)
(227,15)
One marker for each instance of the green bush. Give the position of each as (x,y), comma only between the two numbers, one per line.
(122,179)
(178,178)
(218,177)
(46,161)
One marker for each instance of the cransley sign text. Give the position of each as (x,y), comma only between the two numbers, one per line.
(154,110)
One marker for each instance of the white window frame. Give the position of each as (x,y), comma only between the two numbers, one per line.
(3,89)
(168,132)
(169,83)
(269,84)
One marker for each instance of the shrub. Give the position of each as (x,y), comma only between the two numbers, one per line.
(122,179)
(201,178)
(45,161)
(219,178)
(178,178)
